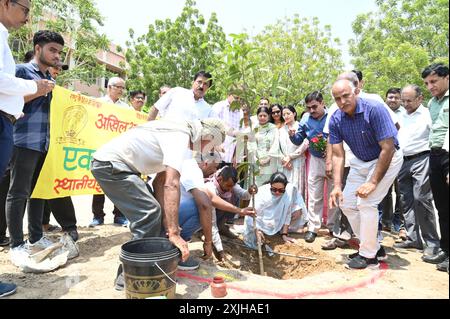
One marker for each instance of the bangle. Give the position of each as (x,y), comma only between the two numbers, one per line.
(284,234)
(207,242)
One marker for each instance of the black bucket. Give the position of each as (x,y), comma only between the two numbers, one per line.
(149,268)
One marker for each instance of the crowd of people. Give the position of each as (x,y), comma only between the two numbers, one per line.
(332,167)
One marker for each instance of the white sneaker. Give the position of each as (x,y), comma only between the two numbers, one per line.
(19,255)
(40,245)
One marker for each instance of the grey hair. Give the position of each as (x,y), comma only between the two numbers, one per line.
(215,128)
(350,76)
(115,80)
(416,88)
(352,85)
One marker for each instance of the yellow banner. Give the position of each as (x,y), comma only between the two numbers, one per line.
(78,126)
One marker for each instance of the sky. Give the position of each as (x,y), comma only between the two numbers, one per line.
(234,16)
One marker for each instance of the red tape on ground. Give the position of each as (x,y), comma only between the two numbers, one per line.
(270,294)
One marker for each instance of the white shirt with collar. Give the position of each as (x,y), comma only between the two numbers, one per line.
(119,102)
(179,104)
(12,89)
(414,133)
(376,97)
(399,112)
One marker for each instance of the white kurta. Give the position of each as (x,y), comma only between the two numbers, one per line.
(273,212)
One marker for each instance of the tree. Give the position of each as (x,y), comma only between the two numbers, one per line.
(394,45)
(297,57)
(285,62)
(173,51)
(77,22)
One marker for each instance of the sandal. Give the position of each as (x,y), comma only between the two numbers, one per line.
(330,245)
(341,243)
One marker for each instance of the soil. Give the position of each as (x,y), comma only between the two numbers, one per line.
(92,274)
(278,266)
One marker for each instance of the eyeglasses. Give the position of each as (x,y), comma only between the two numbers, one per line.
(201,83)
(26,10)
(118,87)
(139,98)
(278,190)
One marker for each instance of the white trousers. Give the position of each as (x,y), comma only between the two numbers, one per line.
(362,213)
(316,181)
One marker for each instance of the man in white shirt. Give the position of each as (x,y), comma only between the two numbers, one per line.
(114,93)
(13,15)
(233,119)
(183,104)
(414,180)
(155,147)
(392,220)
(195,211)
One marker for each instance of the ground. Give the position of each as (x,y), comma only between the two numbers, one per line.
(91,275)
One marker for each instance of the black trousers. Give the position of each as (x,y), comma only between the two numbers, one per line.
(439,187)
(4,186)
(63,211)
(98,203)
(342,224)
(390,216)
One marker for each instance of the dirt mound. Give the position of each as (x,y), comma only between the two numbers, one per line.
(277,266)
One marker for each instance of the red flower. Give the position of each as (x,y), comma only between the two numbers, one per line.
(314,140)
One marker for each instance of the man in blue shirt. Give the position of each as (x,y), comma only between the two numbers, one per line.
(312,129)
(366,127)
(31,141)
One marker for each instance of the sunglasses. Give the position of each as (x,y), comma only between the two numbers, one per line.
(278,190)
(276,112)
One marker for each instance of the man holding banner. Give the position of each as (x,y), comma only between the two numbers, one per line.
(31,142)
(155,147)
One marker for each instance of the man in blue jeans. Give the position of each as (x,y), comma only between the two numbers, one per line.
(195,208)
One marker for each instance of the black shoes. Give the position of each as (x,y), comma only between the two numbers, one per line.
(380,256)
(443,266)
(4,241)
(435,259)
(310,237)
(407,245)
(360,262)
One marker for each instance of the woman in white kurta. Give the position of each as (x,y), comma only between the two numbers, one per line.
(279,207)
(293,157)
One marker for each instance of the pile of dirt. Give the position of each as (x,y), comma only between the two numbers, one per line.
(277,266)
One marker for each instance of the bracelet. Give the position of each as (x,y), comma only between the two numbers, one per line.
(207,242)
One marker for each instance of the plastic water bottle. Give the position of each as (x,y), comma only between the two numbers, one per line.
(218,287)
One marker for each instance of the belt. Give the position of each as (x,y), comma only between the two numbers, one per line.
(408,158)
(10,117)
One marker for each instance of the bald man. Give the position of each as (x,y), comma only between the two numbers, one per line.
(366,127)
